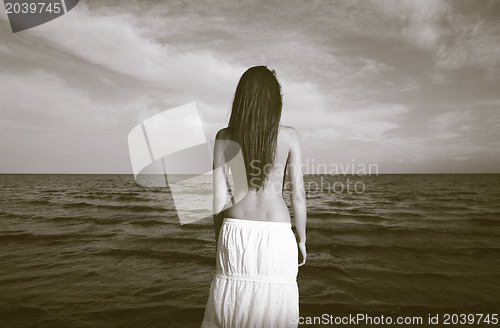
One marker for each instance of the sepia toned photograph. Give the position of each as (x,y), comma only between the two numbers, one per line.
(249,164)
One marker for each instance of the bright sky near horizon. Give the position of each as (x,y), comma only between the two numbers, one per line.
(412,86)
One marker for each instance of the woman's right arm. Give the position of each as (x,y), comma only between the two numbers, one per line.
(298,195)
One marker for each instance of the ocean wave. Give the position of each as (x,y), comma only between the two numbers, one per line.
(336,248)
(120,197)
(200,225)
(439,207)
(133,208)
(484,221)
(40,202)
(343,229)
(421,232)
(148,223)
(170,256)
(26,236)
(180,240)
(333,216)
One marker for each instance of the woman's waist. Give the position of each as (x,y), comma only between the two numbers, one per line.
(256,221)
(274,213)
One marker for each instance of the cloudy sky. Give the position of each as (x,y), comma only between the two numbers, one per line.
(412,86)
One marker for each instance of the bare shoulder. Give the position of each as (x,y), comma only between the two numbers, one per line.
(289,134)
(222,134)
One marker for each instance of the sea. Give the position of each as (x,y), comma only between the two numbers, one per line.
(105,251)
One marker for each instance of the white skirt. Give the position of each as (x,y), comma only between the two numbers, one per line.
(255,284)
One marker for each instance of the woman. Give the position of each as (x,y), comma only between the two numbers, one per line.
(256,251)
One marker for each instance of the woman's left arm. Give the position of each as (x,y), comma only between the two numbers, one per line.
(219,184)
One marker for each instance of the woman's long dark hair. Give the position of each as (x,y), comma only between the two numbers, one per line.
(254,122)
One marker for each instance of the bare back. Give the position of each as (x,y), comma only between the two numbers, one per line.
(267,204)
